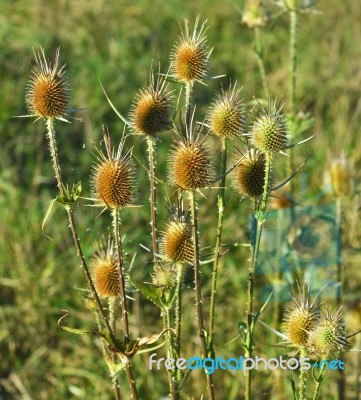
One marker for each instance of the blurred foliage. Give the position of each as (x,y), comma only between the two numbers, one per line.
(116,42)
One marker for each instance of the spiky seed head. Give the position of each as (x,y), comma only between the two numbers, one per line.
(151,110)
(254,14)
(104,267)
(269,131)
(176,242)
(250,174)
(165,276)
(112,179)
(341,177)
(190,166)
(48,92)
(329,335)
(190,55)
(226,115)
(301,316)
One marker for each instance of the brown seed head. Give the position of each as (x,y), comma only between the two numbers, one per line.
(151,111)
(190,166)
(48,93)
(300,318)
(190,55)
(176,243)
(269,132)
(105,274)
(250,174)
(328,336)
(341,177)
(112,180)
(226,116)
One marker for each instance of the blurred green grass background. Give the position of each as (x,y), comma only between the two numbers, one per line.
(116,41)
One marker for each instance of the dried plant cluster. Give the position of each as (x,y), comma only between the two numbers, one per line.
(254,137)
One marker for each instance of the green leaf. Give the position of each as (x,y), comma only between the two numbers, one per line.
(48,212)
(152,292)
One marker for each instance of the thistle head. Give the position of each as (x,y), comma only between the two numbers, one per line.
(104,266)
(328,337)
(226,115)
(250,174)
(254,14)
(269,131)
(165,276)
(190,55)
(176,243)
(151,110)
(341,177)
(112,180)
(190,165)
(300,318)
(48,93)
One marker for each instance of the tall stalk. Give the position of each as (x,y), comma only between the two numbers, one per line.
(112,320)
(302,388)
(123,300)
(217,251)
(319,382)
(197,286)
(258,50)
(260,208)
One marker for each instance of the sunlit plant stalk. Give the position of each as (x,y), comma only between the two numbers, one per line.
(258,50)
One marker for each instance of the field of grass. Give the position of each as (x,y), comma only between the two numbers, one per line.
(115,42)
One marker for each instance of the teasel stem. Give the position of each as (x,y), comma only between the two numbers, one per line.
(72,226)
(301,394)
(114,376)
(172,381)
(188,96)
(341,379)
(178,310)
(319,381)
(197,285)
(218,246)
(260,208)
(123,299)
(258,50)
(153,196)
(293,82)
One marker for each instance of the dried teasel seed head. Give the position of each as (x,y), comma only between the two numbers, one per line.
(329,335)
(250,174)
(190,55)
(269,131)
(48,92)
(226,115)
(176,242)
(104,267)
(165,276)
(190,166)
(151,110)
(341,177)
(112,180)
(301,316)
(254,14)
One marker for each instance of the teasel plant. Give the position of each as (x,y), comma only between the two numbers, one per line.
(112,183)
(48,99)
(266,139)
(225,119)
(190,170)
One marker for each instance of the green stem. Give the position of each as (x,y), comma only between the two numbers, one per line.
(72,226)
(114,375)
(153,196)
(197,285)
(217,251)
(301,395)
(319,381)
(260,217)
(123,300)
(188,96)
(259,56)
(173,383)
(178,311)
